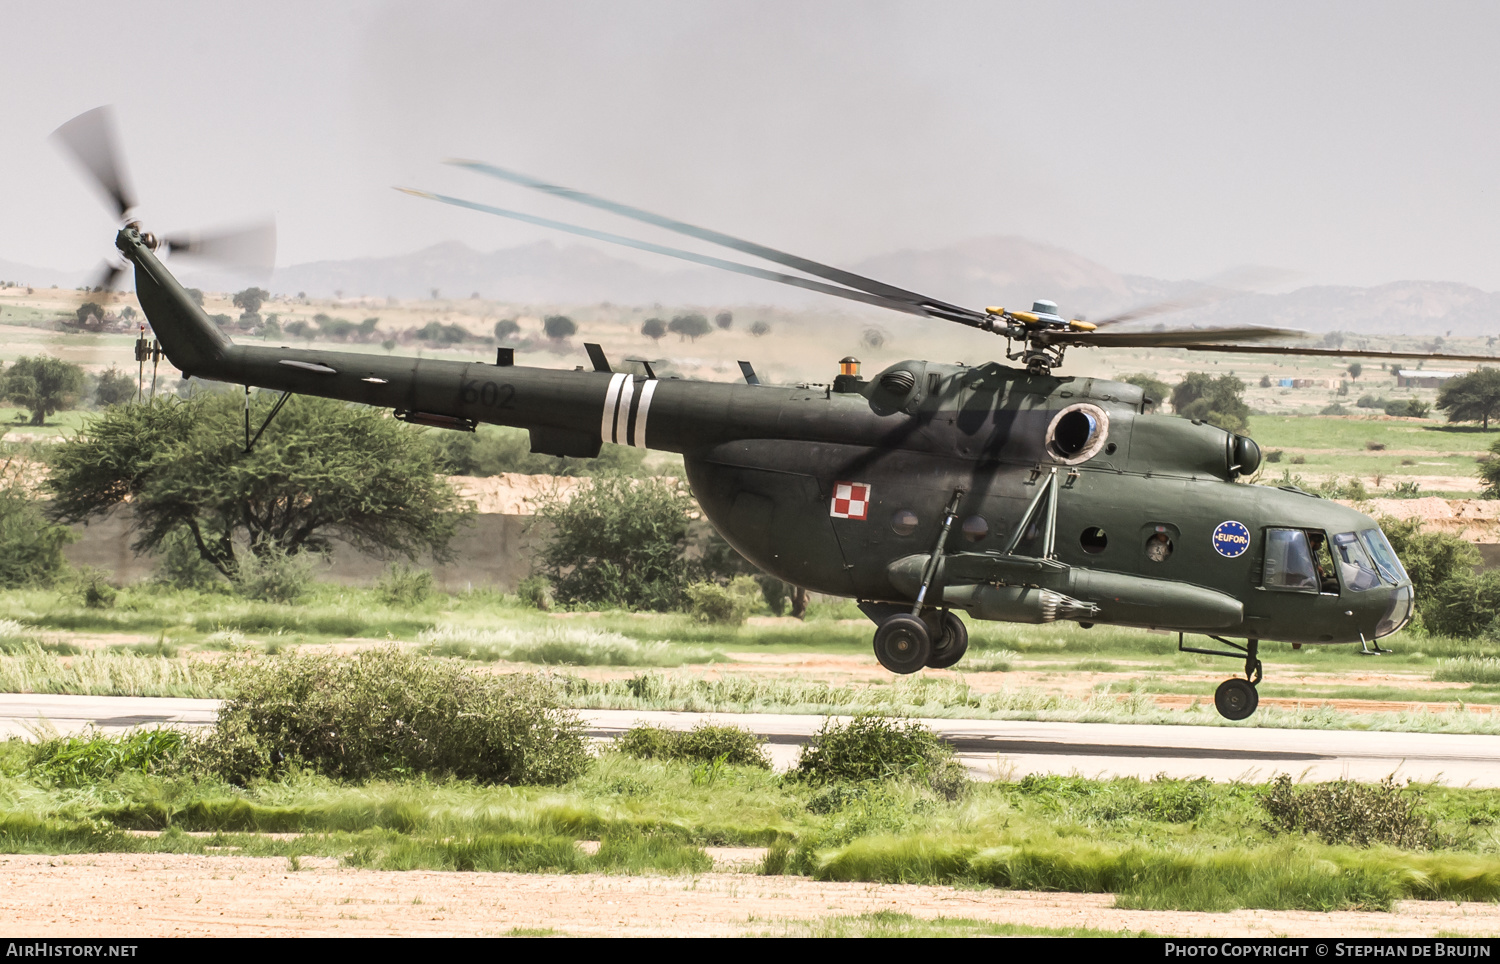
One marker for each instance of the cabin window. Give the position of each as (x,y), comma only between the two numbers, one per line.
(1159,547)
(1289,562)
(904,522)
(1355,568)
(1093,540)
(975,528)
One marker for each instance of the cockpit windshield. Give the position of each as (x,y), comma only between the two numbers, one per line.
(1355,569)
(1385,557)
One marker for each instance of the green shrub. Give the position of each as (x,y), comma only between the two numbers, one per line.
(702,744)
(274,575)
(389,712)
(1346,812)
(536,591)
(94,588)
(80,760)
(1430,558)
(1465,605)
(401,585)
(876,748)
(727,605)
(618,542)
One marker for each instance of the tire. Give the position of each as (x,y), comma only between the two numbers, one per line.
(902,644)
(950,642)
(1236,699)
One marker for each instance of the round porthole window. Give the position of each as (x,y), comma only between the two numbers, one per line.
(1093,539)
(904,522)
(975,528)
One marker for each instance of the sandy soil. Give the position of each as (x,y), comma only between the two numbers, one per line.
(168,895)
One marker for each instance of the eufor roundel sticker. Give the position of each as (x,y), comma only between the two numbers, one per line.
(1231,539)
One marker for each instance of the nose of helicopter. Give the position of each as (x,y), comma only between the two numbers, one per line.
(1398,610)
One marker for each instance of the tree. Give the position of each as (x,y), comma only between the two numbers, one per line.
(197,295)
(1151,386)
(114,387)
(43,384)
(87,310)
(1355,369)
(506,328)
(619,542)
(1216,400)
(1474,397)
(725,320)
(558,327)
(760,328)
(323,470)
(30,545)
(249,301)
(654,328)
(692,325)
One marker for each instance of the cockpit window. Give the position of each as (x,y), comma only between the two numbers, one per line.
(1354,564)
(1385,557)
(1289,562)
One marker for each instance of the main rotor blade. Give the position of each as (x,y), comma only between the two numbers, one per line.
(1181,338)
(931,306)
(1337,352)
(90,138)
(703,259)
(251,248)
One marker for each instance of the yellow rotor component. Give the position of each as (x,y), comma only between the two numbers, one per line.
(1025,316)
(1077,325)
(994,311)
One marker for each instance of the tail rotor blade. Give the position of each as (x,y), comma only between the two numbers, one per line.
(90,138)
(250,248)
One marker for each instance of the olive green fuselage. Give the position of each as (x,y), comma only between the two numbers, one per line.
(766,463)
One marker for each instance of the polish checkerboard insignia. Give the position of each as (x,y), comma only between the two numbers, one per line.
(851,500)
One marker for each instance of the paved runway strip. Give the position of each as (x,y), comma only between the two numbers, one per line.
(990,748)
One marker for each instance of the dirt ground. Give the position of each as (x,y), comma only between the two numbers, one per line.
(170,895)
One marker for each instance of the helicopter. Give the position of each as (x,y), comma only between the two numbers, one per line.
(1001,491)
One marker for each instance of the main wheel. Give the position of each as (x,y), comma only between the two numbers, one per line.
(1236,699)
(902,644)
(949,641)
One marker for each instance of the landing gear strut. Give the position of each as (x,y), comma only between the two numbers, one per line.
(1236,698)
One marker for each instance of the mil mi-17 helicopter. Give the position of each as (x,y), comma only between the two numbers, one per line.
(1006,492)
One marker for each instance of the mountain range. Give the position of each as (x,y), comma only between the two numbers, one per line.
(995,270)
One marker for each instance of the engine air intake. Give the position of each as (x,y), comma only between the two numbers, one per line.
(1077,433)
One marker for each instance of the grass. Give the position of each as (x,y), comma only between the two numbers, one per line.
(1166,844)
(888,923)
(561,645)
(1469,669)
(954,698)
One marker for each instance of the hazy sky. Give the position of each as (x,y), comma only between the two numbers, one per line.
(1352,142)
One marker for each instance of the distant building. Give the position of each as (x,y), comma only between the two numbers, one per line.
(1418,378)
